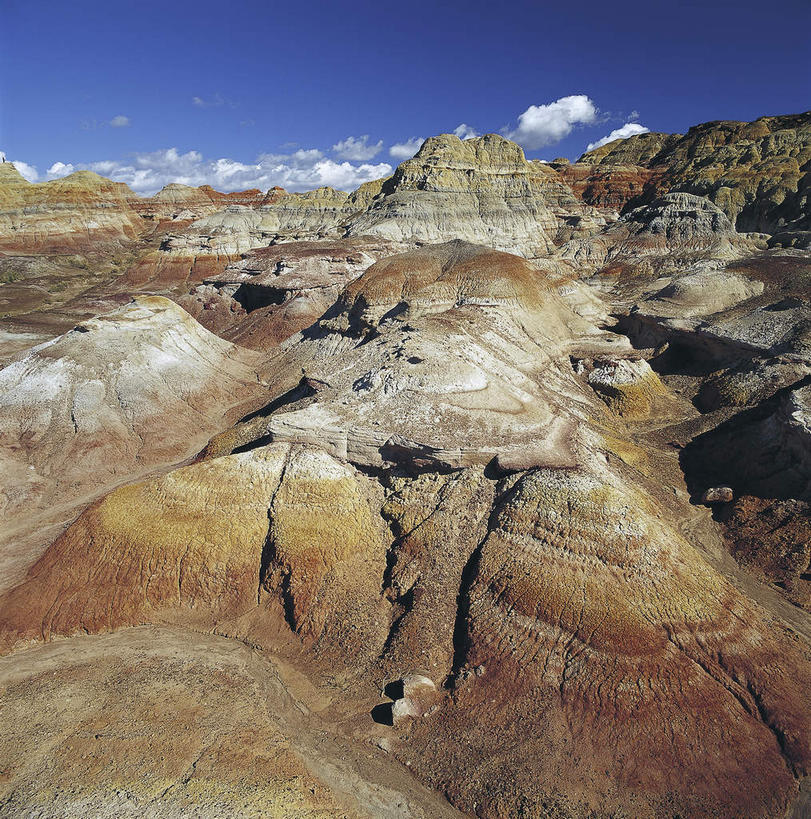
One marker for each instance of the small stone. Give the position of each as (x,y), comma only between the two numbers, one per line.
(718,494)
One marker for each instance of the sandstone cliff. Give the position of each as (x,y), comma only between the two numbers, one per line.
(756,172)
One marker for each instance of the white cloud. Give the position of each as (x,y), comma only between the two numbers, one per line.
(464,131)
(627,130)
(300,170)
(103,168)
(120,121)
(25,170)
(407,149)
(59,169)
(357,148)
(542,125)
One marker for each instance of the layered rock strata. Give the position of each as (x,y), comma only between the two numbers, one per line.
(458,505)
(480,190)
(115,396)
(272,293)
(372,383)
(756,172)
(469,527)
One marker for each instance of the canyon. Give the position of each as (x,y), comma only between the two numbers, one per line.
(481,490)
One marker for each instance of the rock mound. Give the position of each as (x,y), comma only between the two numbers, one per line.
(116,395)
(435,494)
(480,190)
(377,386)
(274,292)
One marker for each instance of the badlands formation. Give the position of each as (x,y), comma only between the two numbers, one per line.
(482,490)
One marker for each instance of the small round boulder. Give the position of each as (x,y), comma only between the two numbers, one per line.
(718,494)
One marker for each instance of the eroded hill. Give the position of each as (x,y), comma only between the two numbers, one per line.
(509,500)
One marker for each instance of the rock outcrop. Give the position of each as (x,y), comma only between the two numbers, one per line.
(673,232)
(274,292)
(776,460)
(113,397)
(371,381)
(508,534)
(79,212)
(756,172)
(203,247)
(480,190)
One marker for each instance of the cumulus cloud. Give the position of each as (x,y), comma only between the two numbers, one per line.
(357,149)
(59,169)
(627,130)
(542,125)
(407,149)
(120,121)
(464,131)
(25,170)
(299,170)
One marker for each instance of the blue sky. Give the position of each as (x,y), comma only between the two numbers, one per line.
(282,93)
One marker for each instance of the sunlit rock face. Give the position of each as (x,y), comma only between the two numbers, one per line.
(201,242)
(114,396)
(77,213)
(672,232)
(756,172)
(481,190)
(453,354)
(434,494)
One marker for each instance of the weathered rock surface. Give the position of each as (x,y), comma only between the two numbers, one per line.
(773,538)
(601,626)
(617,173)
(776,459)
(751,382)
(580,606)
(191,541)
(203,247)
(274,292)
(628,386)
(113,397)
(671,233)
(480,190)
(64,215)
(161,723)
(393,517)
(377,386)
(756,172)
